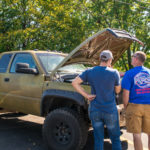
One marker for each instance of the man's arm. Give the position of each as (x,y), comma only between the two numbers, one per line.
(117,89)
(76,84)
(117,82)
(125,97)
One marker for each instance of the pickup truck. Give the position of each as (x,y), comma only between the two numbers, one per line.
(39,83)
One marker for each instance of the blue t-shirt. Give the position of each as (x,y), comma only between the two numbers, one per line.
(102,81)
(137,81)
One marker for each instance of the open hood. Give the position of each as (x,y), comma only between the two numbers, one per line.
(88,51)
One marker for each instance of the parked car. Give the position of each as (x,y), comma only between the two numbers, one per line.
(39,83)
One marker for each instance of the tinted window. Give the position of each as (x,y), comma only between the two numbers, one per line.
(4,61)
(22,58)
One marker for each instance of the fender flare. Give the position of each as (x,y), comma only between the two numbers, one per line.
(74,96)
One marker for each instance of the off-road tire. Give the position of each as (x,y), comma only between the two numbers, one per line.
(64,129)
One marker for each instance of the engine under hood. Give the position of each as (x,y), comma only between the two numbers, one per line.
(88,51)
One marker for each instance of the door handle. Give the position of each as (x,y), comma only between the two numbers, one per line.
(6,79)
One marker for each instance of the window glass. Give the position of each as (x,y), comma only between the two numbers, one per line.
(49,61)
(4,61)
(73,68)
(22,58)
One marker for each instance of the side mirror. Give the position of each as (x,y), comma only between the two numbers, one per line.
(24,68)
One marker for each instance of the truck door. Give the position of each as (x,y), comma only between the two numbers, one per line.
(24,91)
(4,63)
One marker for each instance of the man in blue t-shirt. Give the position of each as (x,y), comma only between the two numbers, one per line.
(104,82)
(136,98)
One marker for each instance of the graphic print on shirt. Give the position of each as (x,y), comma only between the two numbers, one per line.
(142,80)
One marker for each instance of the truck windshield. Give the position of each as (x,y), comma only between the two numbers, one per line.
(49,61)
(73,68)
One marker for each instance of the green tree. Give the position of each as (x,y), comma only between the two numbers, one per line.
(18,21)
(63,24)
(132,16)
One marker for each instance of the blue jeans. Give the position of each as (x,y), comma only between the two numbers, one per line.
(99,119)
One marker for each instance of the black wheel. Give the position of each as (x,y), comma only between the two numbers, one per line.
(64,129)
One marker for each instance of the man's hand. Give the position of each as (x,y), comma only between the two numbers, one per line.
(90,97)
(76,84)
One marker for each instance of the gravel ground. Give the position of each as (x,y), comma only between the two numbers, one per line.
(24,132)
